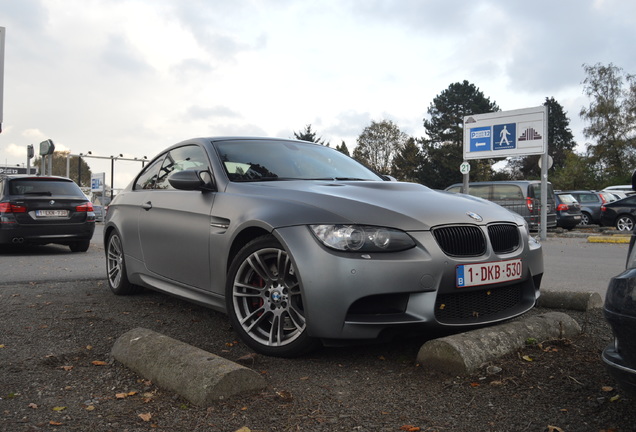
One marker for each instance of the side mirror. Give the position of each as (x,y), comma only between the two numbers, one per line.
(191,180)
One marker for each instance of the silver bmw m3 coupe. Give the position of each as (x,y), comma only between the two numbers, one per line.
(301,245)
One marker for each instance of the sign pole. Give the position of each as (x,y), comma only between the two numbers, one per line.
(464,168)
(544,181)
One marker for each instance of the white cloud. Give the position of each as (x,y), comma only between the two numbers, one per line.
(133,77)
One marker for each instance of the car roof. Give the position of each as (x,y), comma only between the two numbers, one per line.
(34,177)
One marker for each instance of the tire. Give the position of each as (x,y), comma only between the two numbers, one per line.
(586,219)
(625,223)
(80,246)
(116,267)
(264,300)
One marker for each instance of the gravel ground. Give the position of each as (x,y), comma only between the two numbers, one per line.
(57,375)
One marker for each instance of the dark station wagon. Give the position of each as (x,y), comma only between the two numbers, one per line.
(43,210)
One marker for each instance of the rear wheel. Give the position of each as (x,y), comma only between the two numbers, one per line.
(80,246)
(586,219)
(116,267)
(625,223)
(264,301)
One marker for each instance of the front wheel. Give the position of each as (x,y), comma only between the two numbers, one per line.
(625,223)
(264,301)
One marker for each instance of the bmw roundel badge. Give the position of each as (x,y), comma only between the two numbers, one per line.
(475,216)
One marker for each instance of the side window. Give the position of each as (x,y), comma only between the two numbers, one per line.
(506,192)
(189,157)
(480,191)
(589,198)
(148,176)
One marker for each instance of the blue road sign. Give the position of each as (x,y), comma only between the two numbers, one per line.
(504,136)
(480,139)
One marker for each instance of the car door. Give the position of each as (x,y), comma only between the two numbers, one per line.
(174,225)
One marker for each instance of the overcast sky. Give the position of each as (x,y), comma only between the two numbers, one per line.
(133,77)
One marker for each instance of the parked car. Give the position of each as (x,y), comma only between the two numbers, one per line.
(99,212)
(591,202)
(622,191)
(620,214)
(42,210)
(299,243)
(620,313)
(523,197)
(568,211)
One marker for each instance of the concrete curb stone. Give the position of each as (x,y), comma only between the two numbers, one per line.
(464,353)
(579,301)
(197,375)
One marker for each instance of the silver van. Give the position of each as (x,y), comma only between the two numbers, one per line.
(523,197)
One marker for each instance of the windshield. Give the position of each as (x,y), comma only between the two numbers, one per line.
(257,160)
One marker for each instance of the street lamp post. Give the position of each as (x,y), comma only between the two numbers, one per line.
(112,165)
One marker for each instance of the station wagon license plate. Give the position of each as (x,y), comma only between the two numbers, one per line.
(51,213)
(488,273)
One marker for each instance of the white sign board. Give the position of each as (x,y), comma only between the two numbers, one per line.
(506,133)
(97,182)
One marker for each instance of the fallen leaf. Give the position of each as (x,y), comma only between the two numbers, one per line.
(54,423)
(145,417)
(121,396)
(90,408)
(615,398)
(244,429)
(59,408)
(99,363)
(89,347)
(553,429)
(1,345)
(410,428)
(527,358)
(284,395)
(66,368)
(607,388)
(474,384)
(32,405)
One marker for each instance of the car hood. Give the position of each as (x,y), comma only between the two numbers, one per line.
(407,206)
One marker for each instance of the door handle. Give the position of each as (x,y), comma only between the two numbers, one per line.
(146,206)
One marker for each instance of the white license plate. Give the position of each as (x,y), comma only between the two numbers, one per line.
(488,273)
(51,213)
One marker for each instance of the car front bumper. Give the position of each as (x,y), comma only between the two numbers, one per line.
(358,296)
(620,313)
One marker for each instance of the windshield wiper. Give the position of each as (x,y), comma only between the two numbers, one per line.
(350,179)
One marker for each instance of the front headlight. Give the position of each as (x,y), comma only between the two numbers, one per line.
(362,238)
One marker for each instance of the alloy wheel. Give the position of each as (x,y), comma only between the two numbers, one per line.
(267,300)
